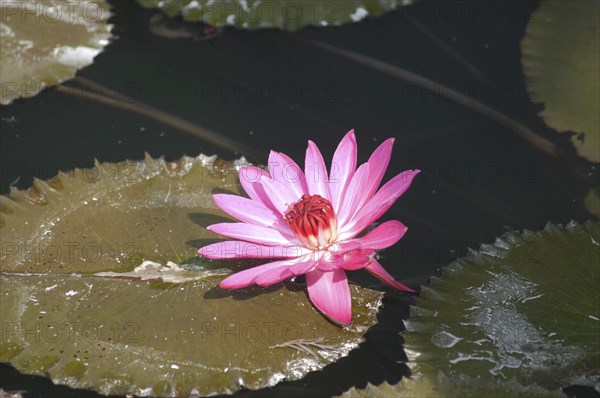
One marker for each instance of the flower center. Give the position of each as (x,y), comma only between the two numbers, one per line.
(313,221)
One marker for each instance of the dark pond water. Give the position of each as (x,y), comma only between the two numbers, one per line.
(274,90)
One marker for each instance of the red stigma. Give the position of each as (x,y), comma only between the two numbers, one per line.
(313,221)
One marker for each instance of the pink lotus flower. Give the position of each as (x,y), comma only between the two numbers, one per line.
(311,220)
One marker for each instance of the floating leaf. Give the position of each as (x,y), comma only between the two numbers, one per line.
(561,60)
(519,318)
(102,289)
(43,43)
(282,14)
(406,387)
(525,308)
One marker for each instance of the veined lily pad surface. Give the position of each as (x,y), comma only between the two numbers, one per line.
(282,14)
(561,60)
(44,43)
(519,318)
(101,288)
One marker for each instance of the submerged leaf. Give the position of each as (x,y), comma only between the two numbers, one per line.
(44,43)
(525,308)
(282,14)
(561,60)
(102,289)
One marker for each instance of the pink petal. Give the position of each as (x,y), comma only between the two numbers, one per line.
(353,195)
(357,259)
(384,235)
(315,172)
(342,169)
(252,233)
(378,163)
(248,276)
(273,276)
(296,266)
(240,249)
(250,177)
(376,269)
(249,211)
(329,262)
(330,293)
(304,264)
(342,247)
(378,205)
(280,195)
(285,171)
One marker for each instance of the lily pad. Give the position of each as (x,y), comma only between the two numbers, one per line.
(526,308)
(283,14)
(101,288)
(45,43)
(561,60)
(519,318)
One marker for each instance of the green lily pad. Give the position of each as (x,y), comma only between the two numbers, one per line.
(45,43)
(561,60)
(282,14)
(519,318)
(101,288)
(406,387)
(525,308)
